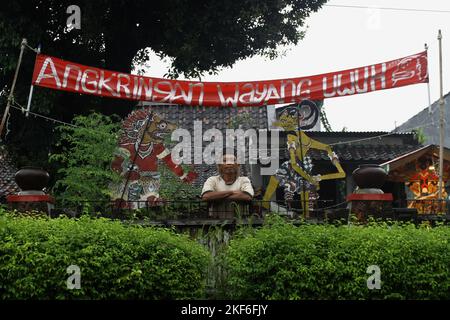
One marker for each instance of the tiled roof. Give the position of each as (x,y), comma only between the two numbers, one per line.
(361,147)
(380,152)
(211,117)
(371,150)
(7,172)
(360,138)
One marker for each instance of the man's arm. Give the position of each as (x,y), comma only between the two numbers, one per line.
(240,196)
(216,195)
(246,191)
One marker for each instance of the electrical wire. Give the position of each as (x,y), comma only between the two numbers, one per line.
(385,135)
(387,8)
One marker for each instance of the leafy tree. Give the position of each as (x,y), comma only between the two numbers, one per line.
(198,37)
(85,154)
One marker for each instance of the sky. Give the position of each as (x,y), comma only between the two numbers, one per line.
(340,38)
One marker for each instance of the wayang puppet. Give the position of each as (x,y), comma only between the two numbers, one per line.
(295,175)
(141,147)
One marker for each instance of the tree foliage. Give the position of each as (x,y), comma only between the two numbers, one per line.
(197,36)
(85,153)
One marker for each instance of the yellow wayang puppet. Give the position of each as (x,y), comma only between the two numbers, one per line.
(295,175)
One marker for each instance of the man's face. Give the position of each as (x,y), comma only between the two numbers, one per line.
(229,165)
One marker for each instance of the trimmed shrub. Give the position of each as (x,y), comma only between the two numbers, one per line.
(116,261)
(283,261)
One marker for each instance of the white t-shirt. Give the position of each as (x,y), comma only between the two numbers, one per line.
(216,183)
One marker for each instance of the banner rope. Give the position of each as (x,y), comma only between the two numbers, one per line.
(31,48)
(17,106)
(7,124)
(37,115)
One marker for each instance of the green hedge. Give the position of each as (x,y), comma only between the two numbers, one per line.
(282,261)
(116,261)
(277,261)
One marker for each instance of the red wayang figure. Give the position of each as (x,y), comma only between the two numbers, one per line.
(140,147)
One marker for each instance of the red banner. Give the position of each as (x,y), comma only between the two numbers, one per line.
(59,74)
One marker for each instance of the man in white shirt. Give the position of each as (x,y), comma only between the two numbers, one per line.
(227,187)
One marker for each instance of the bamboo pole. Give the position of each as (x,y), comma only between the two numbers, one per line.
(11,93)
(428,86)
(441,120)
(30,96)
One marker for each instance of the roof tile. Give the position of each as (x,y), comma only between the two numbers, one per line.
(7,172)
